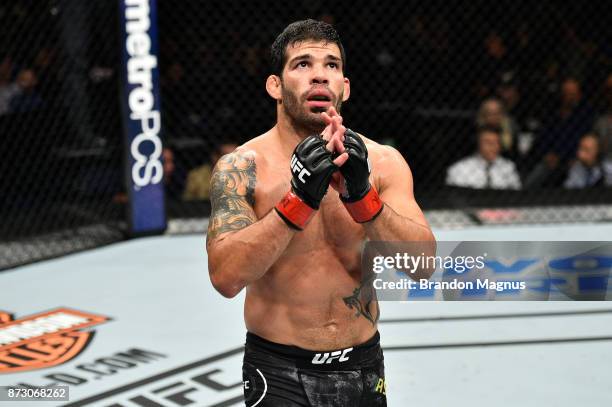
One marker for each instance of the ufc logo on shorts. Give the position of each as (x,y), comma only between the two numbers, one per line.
(328,357)
(298,168)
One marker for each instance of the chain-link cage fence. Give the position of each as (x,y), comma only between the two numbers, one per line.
(60,127)
(502,109)
(491,103)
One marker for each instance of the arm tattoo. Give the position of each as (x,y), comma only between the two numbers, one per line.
(232,190)
(364,300)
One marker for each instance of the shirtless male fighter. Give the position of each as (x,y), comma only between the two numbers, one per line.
(312,336)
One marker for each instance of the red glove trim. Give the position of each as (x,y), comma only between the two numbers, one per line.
(295,212)
(367,208)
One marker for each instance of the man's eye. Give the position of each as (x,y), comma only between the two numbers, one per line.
(333,65)
(302,64)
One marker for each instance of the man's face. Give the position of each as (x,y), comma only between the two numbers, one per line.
(312,81)
(493,113)
(27,79)
(570,92)
(488,145)
(495,45)
(587,151)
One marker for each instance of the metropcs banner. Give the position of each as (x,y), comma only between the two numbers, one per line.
(141,116)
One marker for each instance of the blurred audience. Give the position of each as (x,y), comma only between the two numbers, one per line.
(27,97)
(21,95)
(530,119)
(169,165)
(495,61)
(485,169)
(493,114)
(603,123)
(559,139)
(572,119)
(590,169)
(7,87)
(198,179)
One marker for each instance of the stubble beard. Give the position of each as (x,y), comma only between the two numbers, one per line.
(302,118)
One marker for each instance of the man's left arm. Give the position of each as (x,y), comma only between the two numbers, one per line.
(387,210)
(401,219)
(391,215)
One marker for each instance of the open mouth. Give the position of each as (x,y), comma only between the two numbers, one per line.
(319,98)
(319,102)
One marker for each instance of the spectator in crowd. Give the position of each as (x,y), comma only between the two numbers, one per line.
(573,118)
(589,170)
(198,179)
(524,47)
(26,97)
(508,92)
(559,140)
(492,113)
(21,95)
(603,123)
(169,167)
(174,171)
(495,63)
(485,169)
(8,89)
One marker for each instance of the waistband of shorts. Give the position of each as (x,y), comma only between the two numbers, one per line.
(350,358)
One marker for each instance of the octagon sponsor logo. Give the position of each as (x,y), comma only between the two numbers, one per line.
(44,340)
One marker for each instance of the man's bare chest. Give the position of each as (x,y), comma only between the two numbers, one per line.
(331,224)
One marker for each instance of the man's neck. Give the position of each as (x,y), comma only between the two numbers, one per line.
(290,134)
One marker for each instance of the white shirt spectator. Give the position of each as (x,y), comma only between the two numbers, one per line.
(580,176)
(476,172)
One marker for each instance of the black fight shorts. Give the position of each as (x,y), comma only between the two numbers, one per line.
(277,375)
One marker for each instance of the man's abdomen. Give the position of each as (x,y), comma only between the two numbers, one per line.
(308,309)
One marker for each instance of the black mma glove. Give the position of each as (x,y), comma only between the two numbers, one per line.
(362,200)
(311,168)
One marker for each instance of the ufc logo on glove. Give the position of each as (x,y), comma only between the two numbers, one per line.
(298,167)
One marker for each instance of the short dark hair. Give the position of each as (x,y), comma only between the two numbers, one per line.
(488,129)
(591,135)
(298,31)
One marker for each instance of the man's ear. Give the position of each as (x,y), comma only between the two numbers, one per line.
(273,86)
(347,90)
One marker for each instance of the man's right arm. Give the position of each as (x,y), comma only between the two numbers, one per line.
(240,248)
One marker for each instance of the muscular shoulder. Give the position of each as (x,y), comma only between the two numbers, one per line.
(248,155)
(388,165)
(382,156)
(257,149)
(239,159)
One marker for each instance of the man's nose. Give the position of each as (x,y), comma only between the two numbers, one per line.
(319,76)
